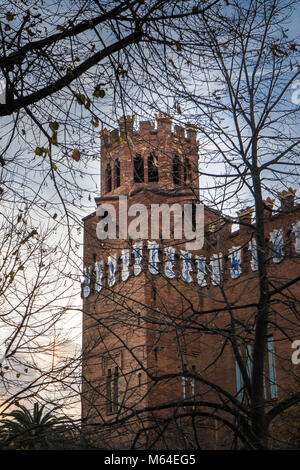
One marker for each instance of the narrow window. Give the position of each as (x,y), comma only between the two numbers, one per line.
(109,391)
(249,365)
(138,164)
(154,294)
(155,353)
(176,170)
(139,319)
(249,369)
(193,385)
(184,383)
(239,382)
(140,379)
(187,172)
(183,388)
(194,208)
(271,364)
(249,361)
(108,181)
(152,168)
(189,384)
(116,391)
(117,173)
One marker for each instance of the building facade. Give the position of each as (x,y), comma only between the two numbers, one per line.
(168,332)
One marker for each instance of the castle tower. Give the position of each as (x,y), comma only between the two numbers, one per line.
(152,165)
(152,158)
(152,310)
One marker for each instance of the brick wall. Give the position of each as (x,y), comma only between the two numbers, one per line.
(150,325)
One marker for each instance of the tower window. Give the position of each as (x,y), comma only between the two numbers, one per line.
(138,164)
(152,168)
(194,209)
(117,173)
(176,170)
(108,182)
(187,172)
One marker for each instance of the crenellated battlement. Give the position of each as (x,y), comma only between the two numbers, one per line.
(163,124)
(157,152)
(205,269)
(225,256)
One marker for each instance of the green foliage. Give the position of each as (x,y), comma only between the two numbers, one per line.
(22,429)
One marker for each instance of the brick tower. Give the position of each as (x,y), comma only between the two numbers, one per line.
(150,166)
(143,341)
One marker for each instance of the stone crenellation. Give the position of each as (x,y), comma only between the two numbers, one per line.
(156,147)
(109,138)
(118,266)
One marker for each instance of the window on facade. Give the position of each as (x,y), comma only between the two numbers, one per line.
(249,360)
(117,173)
(271,367)
(187,172)
(246,356)
(184,383)
(176,170)
(239,382)
(109,392)
(193,385)
(108,181)
(112,391)
(152,168)
(270,385)
(138,164)
(189,385)
(246,353)
(140,379)
(154,292)
(183,387)
(194,208)
(116,391)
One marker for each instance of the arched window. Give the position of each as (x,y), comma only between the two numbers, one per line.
(138,164)
(152,168)
(187,172)
(108,182)
(112,391)
(176,170)
(117,173)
